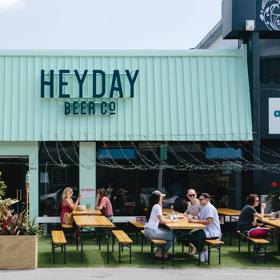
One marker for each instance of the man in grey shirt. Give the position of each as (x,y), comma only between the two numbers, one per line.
(209,217)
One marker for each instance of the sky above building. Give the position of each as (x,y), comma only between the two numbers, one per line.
(106,24)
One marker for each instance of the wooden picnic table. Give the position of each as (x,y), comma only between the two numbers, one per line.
(229,213)
(272,222)
(168,211)
(96,222)
(182,224)
(87,212)
(138,225)
(275,223)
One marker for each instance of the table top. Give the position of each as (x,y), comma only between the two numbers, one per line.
(184,224)
(167,211)
(272,222)
(139,225)
(93,221)
(86,212)
(228,212)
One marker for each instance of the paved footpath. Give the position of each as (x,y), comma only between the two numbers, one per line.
(140,274)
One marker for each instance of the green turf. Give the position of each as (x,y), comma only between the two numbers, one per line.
(95,258)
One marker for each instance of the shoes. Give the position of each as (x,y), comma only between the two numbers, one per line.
(193,249)
(259,253)
(204,256)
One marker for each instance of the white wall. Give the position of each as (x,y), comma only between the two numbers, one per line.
(220,43)
(88,170)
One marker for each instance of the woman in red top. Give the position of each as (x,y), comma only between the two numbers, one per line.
(67,206)
(104,204)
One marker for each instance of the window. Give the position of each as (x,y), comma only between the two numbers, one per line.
(270,72)
(58,168)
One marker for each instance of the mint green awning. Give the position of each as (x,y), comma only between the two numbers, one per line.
(192,95)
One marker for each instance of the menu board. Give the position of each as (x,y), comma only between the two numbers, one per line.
(59,176)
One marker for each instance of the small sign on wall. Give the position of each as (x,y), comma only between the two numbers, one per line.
(274,115)
(87,193)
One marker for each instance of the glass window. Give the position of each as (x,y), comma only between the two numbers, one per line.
(270,71)
(130,172)
(58,168)
(270,63)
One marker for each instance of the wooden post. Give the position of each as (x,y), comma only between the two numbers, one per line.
(27,181)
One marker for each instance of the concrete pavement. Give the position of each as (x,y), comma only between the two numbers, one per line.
(140,274)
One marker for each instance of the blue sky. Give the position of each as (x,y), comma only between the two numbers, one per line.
(106,24)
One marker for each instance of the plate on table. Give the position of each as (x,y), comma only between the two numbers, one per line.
(81,208)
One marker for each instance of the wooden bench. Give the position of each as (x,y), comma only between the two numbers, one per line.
(124,241)
(58,241)
(154,242)
(214,243)
(261,243)
(256,242)
(65,226)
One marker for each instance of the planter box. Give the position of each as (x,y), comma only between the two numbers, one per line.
(18,252)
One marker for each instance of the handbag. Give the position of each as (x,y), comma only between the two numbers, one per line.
(258,232)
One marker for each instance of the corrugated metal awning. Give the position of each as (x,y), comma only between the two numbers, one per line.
(193,95)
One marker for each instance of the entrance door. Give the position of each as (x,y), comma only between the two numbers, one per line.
(13,171)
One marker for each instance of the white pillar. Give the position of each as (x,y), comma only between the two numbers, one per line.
(88,171)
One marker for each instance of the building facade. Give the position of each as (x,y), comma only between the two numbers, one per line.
(129,121)
(256,24)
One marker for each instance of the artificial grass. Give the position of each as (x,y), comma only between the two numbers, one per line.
(95,258)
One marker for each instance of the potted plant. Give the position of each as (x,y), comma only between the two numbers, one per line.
(18,235)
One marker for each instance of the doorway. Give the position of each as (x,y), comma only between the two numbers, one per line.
(13,171)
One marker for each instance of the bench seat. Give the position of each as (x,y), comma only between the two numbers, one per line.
(58,241)
(214,243)
(122,237)
(124,241)
(58,237)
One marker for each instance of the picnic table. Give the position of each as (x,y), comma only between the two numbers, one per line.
(168,211)
(82,221)
(275,223)
(87,212)
(227,212)
(138,226)
(181,224)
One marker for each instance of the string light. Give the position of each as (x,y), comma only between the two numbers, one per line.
(182,163)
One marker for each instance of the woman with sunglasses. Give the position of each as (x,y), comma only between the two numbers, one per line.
(193,204)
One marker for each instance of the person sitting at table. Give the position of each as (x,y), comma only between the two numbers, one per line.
(104,204)
(152,229)
(67,206)
(209,217)
(193,205)
(249,215)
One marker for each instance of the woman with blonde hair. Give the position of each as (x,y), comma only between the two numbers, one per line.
(67,206)
(193,207)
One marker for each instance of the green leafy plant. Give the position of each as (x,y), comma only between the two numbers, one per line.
(32,228)
(3,187)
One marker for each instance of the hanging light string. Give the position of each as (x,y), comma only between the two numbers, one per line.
(149,164)
(49,155)
(137,167)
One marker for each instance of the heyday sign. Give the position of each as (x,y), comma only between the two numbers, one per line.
(104,86)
